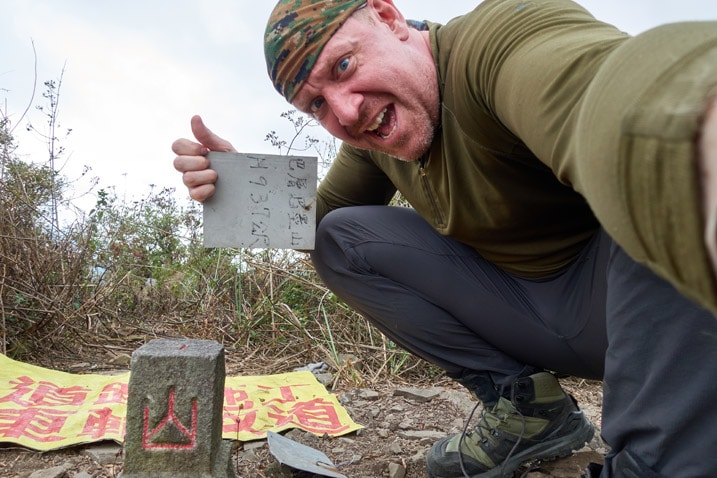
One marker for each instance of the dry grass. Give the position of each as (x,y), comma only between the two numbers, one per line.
(268,308)
(95,288)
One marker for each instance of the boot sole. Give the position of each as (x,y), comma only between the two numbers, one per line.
(548,450)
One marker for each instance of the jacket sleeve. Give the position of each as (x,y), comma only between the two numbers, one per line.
(615,117)
(353,180)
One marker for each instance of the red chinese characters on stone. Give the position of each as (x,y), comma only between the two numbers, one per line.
(170,433)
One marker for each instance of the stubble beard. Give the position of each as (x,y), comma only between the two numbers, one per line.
(419,141)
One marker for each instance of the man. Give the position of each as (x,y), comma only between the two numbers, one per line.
(563,180)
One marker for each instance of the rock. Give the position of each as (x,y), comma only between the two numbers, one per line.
(82,474)
(395,448)
(370,395)
(378,469)
(54,472)
(187,439)
(396,470)
(458,423)
(461,399)
(407,424)
(253,445)
(421,435)
(349,360)
(249,456)
(324,378)
(571,466)
(104,454)
(120,359)
(306,438)
(79,367)
(418,394)
(419,457)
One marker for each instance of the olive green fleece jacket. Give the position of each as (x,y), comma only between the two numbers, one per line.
(552,125)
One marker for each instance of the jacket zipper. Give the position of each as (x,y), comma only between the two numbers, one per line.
(430,193)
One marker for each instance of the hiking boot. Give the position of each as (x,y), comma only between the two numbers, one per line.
(539,422)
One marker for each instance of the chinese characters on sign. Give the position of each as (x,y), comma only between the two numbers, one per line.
(44,409)
(262,201)
(43,412)
(283,407)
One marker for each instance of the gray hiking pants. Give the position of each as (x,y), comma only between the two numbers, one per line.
(603,317)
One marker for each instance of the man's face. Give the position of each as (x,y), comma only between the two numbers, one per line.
(374,89)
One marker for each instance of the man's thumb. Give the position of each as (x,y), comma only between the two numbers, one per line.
(205,136)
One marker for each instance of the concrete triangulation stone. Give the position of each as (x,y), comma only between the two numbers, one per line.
(174,412)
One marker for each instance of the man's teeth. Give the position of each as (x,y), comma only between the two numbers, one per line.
(377,122)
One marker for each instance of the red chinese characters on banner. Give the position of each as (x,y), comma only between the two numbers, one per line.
(114,393)
(239,412)
(317,416)
(102,422)
(41,394)
(54,409)
(41,409)
(241,415)
(37,419)
(39,424)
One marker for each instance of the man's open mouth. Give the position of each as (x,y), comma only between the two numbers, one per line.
(385,123)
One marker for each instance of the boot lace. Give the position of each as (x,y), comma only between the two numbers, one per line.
(479,430)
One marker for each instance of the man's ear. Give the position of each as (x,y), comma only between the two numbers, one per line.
(388,14)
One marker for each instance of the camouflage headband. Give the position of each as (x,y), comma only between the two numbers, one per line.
(296,33)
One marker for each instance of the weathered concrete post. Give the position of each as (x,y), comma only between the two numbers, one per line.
(174,412)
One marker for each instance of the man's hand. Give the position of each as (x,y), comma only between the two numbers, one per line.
(192,161)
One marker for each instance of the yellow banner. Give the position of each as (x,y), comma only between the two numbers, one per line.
(45,409)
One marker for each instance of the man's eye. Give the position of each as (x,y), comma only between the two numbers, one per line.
(316,105)
(343,65)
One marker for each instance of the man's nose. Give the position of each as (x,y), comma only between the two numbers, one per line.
(346,107)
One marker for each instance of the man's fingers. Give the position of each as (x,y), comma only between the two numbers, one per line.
(191,160)
(202,193)
(186,147)
(205,136)
(190,163)
(193,179)
(200,183)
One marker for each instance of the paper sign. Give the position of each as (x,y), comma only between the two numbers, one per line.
(262,201)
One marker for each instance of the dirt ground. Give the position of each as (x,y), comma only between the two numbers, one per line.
(399,430)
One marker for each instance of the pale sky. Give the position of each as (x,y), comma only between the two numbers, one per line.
(136,71)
